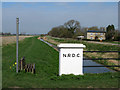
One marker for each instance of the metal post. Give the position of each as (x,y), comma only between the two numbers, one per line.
(17,39)
(119,27)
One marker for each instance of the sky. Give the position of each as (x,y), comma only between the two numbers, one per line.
(60,0)
(41,17)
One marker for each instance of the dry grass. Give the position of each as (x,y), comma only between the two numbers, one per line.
(4,40)
(51,40)
(103,55)
(106,55)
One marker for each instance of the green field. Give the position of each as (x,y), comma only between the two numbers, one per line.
(89,46)
(47,64)
(114,42)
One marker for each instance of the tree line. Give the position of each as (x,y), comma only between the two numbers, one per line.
(72,29)
(11,34)
(111,33)
(69,30)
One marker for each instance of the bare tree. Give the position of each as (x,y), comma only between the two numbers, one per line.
(72,25)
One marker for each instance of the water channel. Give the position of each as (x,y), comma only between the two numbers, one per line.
(88,63)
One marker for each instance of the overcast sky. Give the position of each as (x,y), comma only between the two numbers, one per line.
(41,17)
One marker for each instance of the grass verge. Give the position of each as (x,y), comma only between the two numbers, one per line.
(47,60)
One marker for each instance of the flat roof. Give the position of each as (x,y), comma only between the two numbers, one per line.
(97,31)
(70,45)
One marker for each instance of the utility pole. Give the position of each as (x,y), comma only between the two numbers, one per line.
(17,39)
(119,15)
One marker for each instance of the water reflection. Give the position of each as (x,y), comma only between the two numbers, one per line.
(94,69)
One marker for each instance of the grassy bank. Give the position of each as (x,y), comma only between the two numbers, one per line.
(92,47)
(89,46)
(47,60)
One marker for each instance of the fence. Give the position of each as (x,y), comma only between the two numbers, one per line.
(57,48)
(26,67)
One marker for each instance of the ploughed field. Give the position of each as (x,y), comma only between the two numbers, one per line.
(11,39)
(46,60)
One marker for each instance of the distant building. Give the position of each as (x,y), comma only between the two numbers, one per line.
(80,37)
(96,35)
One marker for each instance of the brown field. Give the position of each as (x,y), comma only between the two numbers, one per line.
(4,40)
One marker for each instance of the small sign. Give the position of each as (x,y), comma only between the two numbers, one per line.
(71,59)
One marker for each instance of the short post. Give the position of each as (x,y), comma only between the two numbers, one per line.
(17,39)
(71,59)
